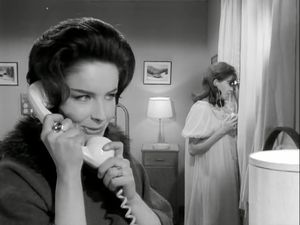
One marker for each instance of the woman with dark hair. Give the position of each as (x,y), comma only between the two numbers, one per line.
(83,65)
(211,129)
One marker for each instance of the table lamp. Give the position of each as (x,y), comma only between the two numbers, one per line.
(160,108)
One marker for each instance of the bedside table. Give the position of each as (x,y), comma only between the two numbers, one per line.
(162,168)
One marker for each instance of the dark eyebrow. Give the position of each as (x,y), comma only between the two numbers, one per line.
(113,90)
(88,92)
(81,91)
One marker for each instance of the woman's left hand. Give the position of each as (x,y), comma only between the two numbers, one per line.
(116,172)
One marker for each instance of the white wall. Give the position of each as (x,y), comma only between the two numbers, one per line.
(214,10)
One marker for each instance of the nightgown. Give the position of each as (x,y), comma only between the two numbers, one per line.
(215,184)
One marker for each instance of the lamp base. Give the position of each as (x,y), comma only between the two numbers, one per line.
(161,146)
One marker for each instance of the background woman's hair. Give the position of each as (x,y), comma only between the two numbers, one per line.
(74,40)
(219,71)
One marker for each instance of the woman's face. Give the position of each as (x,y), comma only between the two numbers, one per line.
(93,87)
(225,86)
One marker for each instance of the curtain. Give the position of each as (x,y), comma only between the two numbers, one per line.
(229,48)
(255,48)
(269,70)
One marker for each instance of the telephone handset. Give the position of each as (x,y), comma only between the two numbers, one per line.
(93,154)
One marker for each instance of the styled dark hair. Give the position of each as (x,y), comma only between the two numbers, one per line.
(75,40)
(219,71)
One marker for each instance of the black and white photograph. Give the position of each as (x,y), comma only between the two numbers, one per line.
(149,112)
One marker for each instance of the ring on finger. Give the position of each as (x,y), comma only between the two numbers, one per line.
(57,127)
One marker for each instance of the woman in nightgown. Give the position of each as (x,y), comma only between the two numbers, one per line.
(211,127)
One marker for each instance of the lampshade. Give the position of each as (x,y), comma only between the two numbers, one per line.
(274,187)
(159,108)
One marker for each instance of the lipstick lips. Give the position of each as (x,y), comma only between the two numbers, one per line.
(93,130)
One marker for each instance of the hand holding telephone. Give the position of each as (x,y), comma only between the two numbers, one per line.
(92,152)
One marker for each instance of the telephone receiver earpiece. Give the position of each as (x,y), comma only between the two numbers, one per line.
(93,154)
(38,100)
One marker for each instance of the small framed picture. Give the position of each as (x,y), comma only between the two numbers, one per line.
(214,59)
(8,74)
(157,72)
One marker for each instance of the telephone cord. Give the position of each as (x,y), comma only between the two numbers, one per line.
(128,214)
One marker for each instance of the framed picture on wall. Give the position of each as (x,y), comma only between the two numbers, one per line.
(157,72)
(214,59)
(8,73)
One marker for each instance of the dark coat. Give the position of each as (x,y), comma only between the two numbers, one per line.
(28,178)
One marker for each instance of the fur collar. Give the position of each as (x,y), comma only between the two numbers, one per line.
(23,144)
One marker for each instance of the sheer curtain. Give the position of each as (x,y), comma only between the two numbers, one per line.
(229,48)
(269,70)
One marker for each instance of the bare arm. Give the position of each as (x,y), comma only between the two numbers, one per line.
(65,150)
(69,202)
(143,214)
(200,146)
(116,173)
